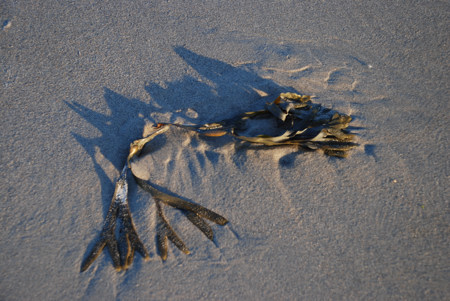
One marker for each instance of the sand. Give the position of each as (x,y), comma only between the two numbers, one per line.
(81,80)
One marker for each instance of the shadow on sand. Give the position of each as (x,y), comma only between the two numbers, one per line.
(221,91)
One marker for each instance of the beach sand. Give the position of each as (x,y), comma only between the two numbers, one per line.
(81,80)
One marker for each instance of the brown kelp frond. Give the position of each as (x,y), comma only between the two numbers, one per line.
(297,120)
(179,203)
(291,119)
(164,231)
(129,238)
(195,214)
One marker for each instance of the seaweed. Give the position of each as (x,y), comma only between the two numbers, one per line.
(292,119)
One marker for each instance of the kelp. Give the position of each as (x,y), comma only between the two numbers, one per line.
(301,122)
(292,119)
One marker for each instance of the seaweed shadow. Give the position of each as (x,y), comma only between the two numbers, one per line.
(219,91)
(122,125)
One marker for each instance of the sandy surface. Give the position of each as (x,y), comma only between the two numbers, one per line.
(80,80)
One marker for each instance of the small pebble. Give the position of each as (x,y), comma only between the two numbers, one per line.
(6,24)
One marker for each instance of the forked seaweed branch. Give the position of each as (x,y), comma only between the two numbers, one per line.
(291,119)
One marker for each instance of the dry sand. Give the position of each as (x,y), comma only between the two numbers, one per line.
(79,80)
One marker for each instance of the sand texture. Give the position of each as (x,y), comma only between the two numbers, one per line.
(80,80)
